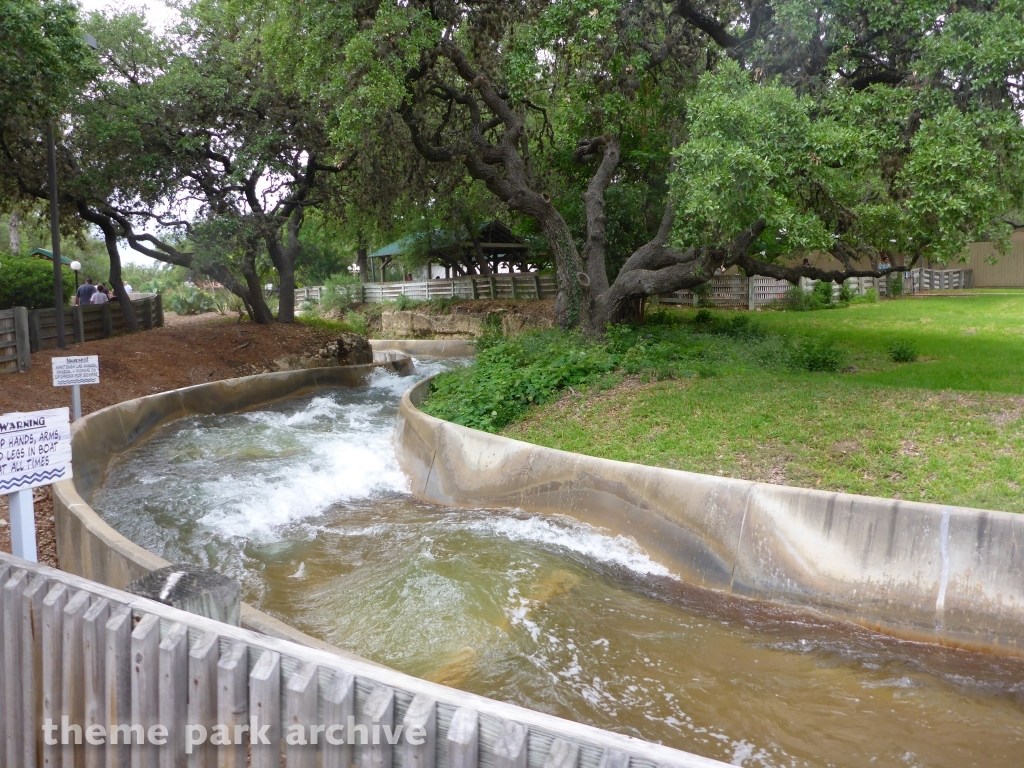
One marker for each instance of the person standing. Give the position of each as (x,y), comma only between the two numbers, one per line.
(99,296)
(85,292)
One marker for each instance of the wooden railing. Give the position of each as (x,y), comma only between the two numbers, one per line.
(14,341)
(942,279)
(751,293)
(514,286)
(99,657)
(723,291)
(24,331)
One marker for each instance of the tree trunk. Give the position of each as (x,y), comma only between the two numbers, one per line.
(573,301)
(481,259)
(286,299)
(131,322)
(13,224)
(259,312)
(597,236)
(363,263)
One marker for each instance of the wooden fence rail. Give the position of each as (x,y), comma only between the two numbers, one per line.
(515,286)
(99,657)
(750,293)
(724,290)
(24,331)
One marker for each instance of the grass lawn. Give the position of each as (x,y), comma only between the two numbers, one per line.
(948,428)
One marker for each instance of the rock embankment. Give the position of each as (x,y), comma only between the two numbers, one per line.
(347,349)
(415,324)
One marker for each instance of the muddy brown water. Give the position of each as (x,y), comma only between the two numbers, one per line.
(303,502)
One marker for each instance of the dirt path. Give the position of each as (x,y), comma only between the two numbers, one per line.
(186,351)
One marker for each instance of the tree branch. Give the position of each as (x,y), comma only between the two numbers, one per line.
(597,237)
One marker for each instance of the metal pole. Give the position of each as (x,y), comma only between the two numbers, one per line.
(58,287)
(23,525)
(76,401)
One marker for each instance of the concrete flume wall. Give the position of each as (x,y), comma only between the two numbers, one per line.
(427,347)
(921,571)
(87,546)
(924,572)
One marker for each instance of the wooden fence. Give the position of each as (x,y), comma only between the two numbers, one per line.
(24,331)
(99,657)
(515,286)
(941,279)
(724,290)
(751,293)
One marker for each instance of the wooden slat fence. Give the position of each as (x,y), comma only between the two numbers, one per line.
(750,293)
(723,291)
(101,658)
(942,279)
(514,286)
(24,331)
(14,340)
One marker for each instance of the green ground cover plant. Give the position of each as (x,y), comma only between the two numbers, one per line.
(724,392)
(511,374)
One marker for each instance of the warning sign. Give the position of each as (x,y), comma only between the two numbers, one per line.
(35,449)
(68,371)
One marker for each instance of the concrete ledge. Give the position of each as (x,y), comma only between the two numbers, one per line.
(427,347)
(923,572)
(87,546)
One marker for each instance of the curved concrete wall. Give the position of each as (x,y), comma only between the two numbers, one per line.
(427,347)
(88,547)
(924,572)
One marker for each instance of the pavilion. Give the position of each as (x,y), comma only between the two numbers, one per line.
(493,250)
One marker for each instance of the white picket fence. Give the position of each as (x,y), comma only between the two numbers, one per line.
(942,279)
(751,293)
(515,286)
(72,648)
(725,290)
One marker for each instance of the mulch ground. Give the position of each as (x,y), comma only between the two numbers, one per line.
(186,351)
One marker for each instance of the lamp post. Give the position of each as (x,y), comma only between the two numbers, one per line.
(76,267)
(58,284)
(51,162)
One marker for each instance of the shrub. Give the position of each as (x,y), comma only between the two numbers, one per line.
(234,303)
(703,317)
(846,294)
(800,300)
(189,300)
(357,322)
(404,302)
(820,297)
(896,284)
(512,373)
(823,293)
(902,351)
(340,292)
(28,282)
(816,355)
(703,294)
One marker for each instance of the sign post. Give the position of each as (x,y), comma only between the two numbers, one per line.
(35,450)
(73,372)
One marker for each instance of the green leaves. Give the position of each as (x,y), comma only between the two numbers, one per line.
(882,169)
(753,152)
(952,184)
(44,60)
(511,374)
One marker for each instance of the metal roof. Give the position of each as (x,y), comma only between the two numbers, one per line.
(444,239)
(49,255)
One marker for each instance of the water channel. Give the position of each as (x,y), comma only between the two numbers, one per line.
(303,502)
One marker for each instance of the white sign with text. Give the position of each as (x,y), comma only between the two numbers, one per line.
(35,449)
(69,371)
